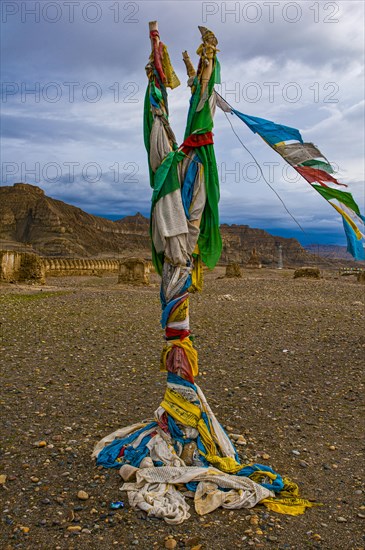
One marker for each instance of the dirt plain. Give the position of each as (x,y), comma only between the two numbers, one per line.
(281,361)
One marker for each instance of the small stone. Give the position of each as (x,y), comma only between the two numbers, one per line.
(229,428)
(265,456)
(24,529)
(295,452)
(316,536)
(82,495)
(128,472)
(86,531)
(191,542)
(34,479)
(241,440)
(74,528)
(135,542)
(259,532)
(42,443)
(359,515)
(341,520)
(170,544)
(357,492)
(188,453)
(332,448)
(303,464)
(254,520)
(272,538)
(2,479)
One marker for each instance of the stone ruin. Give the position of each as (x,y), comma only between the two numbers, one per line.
(58,267)
(254,261)
(134,271)
(307,273)
(21,267)
(29,267)
(233,270)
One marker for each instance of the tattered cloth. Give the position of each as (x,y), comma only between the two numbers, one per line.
(216,477)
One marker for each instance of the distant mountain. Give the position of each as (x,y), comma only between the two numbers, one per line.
(329,251)
(28,218)
(54,228)
(240,240)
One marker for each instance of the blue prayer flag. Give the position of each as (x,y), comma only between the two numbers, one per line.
(273,133)
(354,245)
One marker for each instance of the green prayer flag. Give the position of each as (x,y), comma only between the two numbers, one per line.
(342,196)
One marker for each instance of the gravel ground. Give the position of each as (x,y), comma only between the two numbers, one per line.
(281,362)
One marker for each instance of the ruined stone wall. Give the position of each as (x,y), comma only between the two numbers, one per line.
(134,271)
(233,270)
(59,267)
(9,265)
(21,267)
(24,266)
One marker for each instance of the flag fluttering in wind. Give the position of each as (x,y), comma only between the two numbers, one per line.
(313,166)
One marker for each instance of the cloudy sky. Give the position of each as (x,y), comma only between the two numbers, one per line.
(73,83)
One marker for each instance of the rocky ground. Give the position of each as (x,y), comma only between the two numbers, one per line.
(281,362)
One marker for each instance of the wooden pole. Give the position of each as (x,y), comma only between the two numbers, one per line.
(188,64)
(209,46)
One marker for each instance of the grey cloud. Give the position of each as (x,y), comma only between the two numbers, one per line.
(108,52)
(74,49)
(61,131)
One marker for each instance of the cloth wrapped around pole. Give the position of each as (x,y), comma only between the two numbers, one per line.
(184,446)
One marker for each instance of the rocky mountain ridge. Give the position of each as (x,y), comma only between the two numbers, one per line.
(329,251)
(55,228)
(50,227)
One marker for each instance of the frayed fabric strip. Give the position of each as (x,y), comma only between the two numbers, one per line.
(154,491)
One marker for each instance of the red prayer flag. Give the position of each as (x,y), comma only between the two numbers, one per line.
(313,175)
